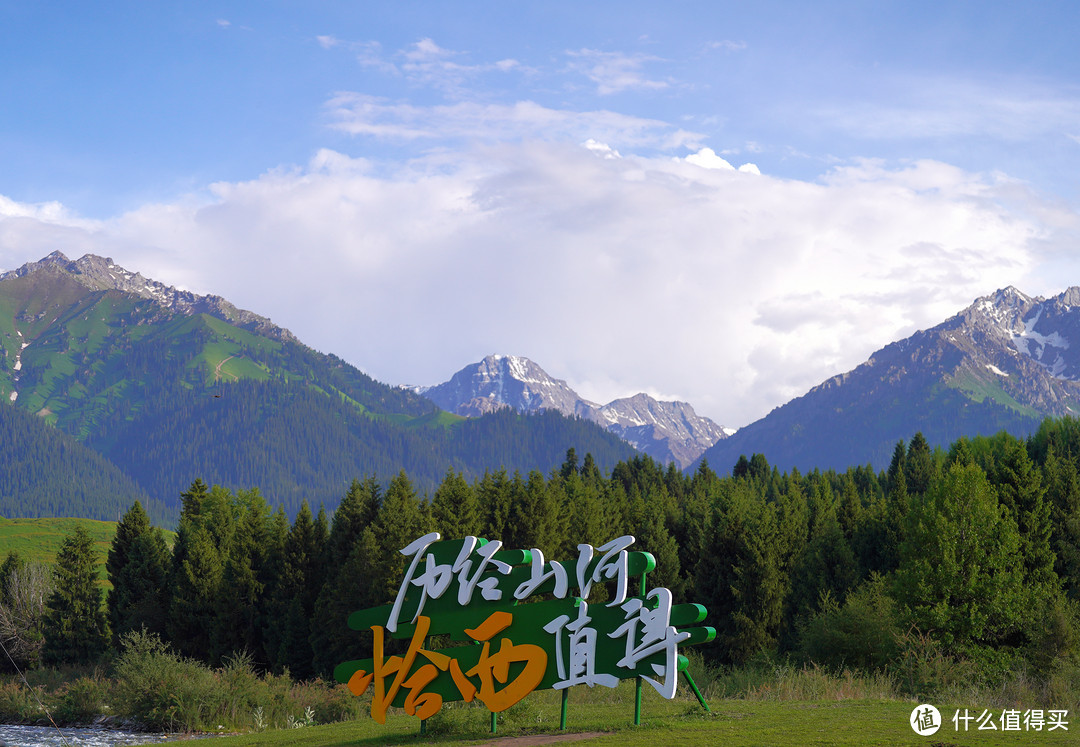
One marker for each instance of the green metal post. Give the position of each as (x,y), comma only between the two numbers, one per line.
(637,702)
(494,722)
(423,726)
(565,703)
(637,680)
(694,687)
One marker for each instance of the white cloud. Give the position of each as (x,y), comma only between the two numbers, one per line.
(614,72)
(360,114)
(619,275)
(707,158)
(601,149)
(727,45)
(425,63)
(1006,109)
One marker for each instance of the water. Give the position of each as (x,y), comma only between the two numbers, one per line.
(96,736)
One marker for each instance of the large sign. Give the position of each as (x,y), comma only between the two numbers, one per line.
(522,623)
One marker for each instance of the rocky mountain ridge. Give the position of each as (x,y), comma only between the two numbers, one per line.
(165,389)
(667,431)
(102,274)
(1006,361)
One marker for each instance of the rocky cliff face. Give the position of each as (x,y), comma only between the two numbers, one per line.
(667,431)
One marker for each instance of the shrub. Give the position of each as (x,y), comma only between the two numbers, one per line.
(862,633)
(81,701)
(161,689)
(20,705)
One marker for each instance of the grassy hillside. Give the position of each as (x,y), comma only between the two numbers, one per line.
(164,398)
(39,540)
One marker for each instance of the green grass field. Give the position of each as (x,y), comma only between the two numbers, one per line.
(38,540)
(731,723)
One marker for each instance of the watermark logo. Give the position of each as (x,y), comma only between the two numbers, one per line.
(925,720)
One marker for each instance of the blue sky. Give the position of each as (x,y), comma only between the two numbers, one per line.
(415,185)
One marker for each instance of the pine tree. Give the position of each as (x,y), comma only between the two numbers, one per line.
(455,511)
(288,632)
(400,521)
(75,625)
(198,562)
(138,568)
(1063,494)
(919,467)
(350,589)
(240,603)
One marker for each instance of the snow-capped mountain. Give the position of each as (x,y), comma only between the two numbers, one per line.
(667,431)
(102,274)
(1004,363)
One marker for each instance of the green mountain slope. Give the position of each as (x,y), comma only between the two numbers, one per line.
(170,387)
(45,472)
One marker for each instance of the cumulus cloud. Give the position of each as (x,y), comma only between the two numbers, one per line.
(707,158)
(730,291)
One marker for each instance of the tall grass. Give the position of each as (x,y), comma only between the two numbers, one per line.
(154,688)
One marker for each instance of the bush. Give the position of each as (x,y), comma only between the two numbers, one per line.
(862,633)
(82,701)
(19,704)
(161,689)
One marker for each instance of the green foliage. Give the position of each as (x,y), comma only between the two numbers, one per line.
(164,691)
(862,632)
(45,472)
(960,573)
(75,626)
(138,567)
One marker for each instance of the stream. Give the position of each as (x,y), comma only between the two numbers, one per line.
(93,736)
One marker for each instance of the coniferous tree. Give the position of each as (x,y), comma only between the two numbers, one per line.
(919,467)
(350,570)
(493,492)
(1063,495)
(455,511)
(138,568)
(739,577)
(198,564)
(288,634)
(75,626)
(400,521)
(351,589)
(240,603)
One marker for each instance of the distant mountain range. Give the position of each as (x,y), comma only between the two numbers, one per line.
(666,431)
(1004,363)
(168,386)
(148,387)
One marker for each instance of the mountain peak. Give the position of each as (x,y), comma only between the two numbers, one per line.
(98,273)
(667,431)
(1005,362)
